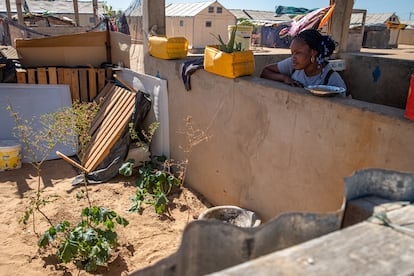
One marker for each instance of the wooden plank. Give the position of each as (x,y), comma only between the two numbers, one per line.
(110,135)
(67,79)
(111,139)
(110,130)
(61,75)
(83,85)
(31,76)
(106,114)
(108,73)
(101,80)
(106,106)
(21,75)
(52,75)
(42,76)
(92,83)
(75,84)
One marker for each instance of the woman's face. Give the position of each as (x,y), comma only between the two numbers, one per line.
(301,54)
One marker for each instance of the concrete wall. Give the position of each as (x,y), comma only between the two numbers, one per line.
(378,80)
(275,148)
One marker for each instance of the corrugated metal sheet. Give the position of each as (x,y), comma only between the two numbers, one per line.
(56,7)
(134,9)
(260,16)
(186,9)
(372,19)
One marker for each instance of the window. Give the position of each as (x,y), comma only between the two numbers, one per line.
(208,24)
(210,9)
(219,10)
(181,23)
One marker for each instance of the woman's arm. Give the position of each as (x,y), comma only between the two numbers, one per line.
(271,72)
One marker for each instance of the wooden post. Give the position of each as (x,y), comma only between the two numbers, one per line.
(19,12)
(153,14)
(341,19)
(76,10)
(8,8)
(95,10)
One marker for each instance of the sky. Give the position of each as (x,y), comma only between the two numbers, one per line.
(403,8)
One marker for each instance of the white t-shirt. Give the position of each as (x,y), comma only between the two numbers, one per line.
(285,67)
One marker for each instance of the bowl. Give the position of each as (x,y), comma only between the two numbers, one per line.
(326,90)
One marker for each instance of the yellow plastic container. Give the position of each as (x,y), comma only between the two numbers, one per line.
(230,65)
(168,48)
(10,156)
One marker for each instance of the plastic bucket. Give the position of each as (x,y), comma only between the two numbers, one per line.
(409,109)
(10,157)
(243,35)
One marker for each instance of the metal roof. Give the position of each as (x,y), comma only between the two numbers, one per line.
(260,16)
(134,9)
(373,19)
(187,9)
(55,6)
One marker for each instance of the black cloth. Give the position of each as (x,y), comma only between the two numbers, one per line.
(188,68)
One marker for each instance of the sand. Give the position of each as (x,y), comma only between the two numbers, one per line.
(147,239)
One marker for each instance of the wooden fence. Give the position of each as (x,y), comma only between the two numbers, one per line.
(84,83)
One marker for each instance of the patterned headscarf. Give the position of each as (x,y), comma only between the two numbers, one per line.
(323,44)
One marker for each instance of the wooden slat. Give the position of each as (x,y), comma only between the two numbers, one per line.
(106,106)
(52,75)
(61,75)
(111,139)
(101,80)
(67,79)
(110,130)
(83,85)
(21,75)
(31,76)
(41,76)
(74,84)
(92,83)
(98,128)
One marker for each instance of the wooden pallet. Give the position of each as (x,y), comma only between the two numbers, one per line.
(113,117)
(84,83)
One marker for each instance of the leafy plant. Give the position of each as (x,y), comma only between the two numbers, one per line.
(38,143)
(154,185)
(159,176)
(89,243)
(230,46)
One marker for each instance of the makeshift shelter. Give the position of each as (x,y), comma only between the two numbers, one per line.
(381,30)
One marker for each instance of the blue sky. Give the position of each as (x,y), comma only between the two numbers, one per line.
(403,8)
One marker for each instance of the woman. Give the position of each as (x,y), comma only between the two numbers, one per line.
(307,65)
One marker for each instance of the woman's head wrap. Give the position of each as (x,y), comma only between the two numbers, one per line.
(323,44)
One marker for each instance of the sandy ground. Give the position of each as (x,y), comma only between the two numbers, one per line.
(147,239)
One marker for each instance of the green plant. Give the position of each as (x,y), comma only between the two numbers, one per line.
(159,176)
(89,243)
(230,46)
(154,184)
(38,143)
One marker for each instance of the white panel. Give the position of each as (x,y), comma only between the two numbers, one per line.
(31,100)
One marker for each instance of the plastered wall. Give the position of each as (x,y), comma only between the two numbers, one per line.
(274,148)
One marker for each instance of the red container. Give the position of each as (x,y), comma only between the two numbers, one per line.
(409,108)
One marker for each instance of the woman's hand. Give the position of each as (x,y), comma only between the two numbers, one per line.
(292,82)
(271,72)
